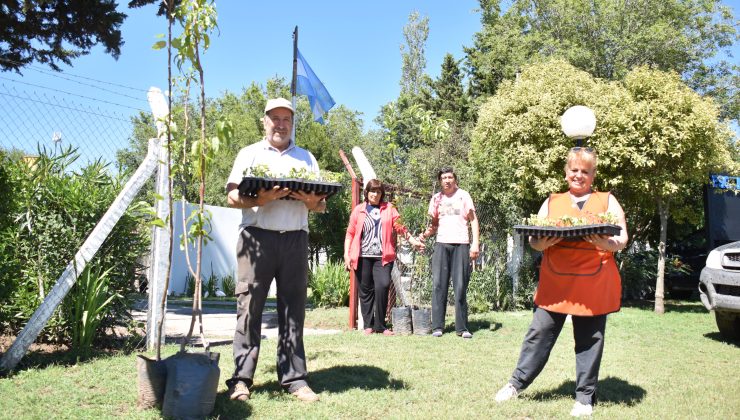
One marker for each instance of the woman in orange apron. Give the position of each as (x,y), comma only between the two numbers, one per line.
(577,278)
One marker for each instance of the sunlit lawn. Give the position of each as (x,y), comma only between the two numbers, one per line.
(663,367)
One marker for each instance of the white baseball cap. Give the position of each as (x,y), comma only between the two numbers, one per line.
(278,103)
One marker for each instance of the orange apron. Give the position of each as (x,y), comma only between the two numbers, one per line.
(575,277)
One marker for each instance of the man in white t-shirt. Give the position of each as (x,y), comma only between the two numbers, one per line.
(273,243)
(451,211)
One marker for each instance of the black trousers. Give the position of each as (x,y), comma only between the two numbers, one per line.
(588,332)
(261,256)
(450,262)
(375,279)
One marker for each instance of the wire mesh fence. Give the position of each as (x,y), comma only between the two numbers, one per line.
(32,121)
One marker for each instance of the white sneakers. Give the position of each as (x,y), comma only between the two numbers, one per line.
(581,410)
(508,392)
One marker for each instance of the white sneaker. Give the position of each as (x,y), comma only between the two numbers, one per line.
(508,392)
(580,410)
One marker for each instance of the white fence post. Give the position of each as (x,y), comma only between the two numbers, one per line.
(515,254)
(159,262)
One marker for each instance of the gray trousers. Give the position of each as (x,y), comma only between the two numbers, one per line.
(261,256)
(450,261)
(588,332)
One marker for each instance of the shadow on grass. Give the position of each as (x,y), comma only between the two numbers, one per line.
(670,305)
(610,389)
(226,408)
(46,355)
(475,325)
(341,378)
(716,336)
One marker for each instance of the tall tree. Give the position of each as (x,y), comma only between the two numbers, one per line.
(413,59)
(450,101)
(608,39)
(676,133)
(53,31)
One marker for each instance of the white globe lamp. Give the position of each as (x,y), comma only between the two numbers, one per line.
(578,122)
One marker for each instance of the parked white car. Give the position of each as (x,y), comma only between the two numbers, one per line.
(719,286)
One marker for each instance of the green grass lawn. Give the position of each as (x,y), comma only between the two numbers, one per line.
(662,367)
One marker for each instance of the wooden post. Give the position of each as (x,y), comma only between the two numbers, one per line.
(352,280)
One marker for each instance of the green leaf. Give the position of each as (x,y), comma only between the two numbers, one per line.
(159,45)
(158,222)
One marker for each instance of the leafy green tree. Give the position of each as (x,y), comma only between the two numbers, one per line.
(400,118)
(343,130)
(53,31)
(450,102)
(498,50)
(656,140)
(678,140)
(413,59)
(608,39)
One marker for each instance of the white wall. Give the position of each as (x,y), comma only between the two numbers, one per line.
(220,253)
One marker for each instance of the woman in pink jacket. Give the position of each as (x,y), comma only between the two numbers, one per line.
(370,250)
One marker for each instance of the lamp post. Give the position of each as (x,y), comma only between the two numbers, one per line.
(578,122)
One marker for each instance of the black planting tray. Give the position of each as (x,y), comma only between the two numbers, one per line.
(250,186)
(573,232)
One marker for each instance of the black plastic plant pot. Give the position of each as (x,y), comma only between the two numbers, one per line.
(250,186)
(569,232)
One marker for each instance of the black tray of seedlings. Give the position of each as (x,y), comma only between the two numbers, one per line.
(250,186)
(571,232)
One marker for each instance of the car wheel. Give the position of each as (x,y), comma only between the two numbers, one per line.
(728,324)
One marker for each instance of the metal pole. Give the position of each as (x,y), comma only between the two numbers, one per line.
(293,79)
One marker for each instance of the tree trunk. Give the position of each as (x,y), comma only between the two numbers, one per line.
(659,281)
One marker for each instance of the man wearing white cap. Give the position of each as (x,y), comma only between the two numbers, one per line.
(273,243)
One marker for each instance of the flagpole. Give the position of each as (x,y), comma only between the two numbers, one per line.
(293,79)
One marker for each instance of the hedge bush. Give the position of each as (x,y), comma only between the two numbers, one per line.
(54,204)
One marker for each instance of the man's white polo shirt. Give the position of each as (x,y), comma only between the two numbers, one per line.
(278,215)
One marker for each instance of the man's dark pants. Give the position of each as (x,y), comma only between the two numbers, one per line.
(588,332)
(261,256)
(450,261)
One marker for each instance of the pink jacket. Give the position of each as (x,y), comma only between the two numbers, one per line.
(389,219)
